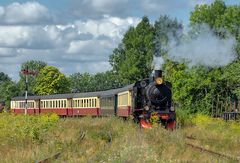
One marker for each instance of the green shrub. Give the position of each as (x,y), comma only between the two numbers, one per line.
(184,118)
(25,128)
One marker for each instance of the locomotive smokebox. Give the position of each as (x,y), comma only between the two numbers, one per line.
(158,74)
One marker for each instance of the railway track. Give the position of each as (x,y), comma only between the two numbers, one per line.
(48,159)
(57,155)
(202,149)
(189,144)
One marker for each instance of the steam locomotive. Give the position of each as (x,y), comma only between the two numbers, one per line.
(149,101)
(153,102)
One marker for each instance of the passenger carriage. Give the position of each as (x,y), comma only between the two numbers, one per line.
(18,105)
(86,104)
(59,104)
(103,103)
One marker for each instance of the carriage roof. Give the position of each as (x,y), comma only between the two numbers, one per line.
(106,93)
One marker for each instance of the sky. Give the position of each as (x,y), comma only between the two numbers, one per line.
(76,35)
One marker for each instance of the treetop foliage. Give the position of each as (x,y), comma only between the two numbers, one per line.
(132,60)
(4,78)
(31,65)
(51,81)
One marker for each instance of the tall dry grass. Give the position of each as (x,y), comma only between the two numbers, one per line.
(102,140)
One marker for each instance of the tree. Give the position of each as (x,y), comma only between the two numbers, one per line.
(132,60)
(118,56)
(106,80)
(208,14)
(8,89)
(98,82)
(166,29)
(4,78)
(32,65)
(81,82)
(51,81)
(232,76)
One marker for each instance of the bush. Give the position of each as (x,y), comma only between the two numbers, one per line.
(18,128)
(184,118)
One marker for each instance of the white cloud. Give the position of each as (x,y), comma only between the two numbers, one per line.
(81,46)
(25,13)
(90,50)
(7,52)
(108,26)
(32,37)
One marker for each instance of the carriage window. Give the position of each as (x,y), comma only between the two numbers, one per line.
(74,103)
(81,103)
(65,104)
(123,99)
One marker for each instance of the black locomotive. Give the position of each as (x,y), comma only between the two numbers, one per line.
(153,102)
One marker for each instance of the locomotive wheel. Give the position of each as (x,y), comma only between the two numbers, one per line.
(171,125)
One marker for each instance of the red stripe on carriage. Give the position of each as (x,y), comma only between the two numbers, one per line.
(86,111)
(30,111)
(58,111)
(124,111)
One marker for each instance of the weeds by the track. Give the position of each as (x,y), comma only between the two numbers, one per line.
(111,140)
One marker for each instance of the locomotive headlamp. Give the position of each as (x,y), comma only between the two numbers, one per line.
(159,80)
(158,77)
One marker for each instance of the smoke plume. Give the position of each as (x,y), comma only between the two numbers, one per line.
(157,62)
(205,49)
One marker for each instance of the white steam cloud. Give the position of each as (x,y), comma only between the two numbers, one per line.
(205,49)
(157,62)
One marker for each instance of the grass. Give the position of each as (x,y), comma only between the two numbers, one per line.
(29,138)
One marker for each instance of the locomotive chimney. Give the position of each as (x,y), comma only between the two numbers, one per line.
(158,74)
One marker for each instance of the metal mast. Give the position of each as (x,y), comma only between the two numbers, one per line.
(26,72)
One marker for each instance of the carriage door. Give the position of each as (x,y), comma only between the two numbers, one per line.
(115,104)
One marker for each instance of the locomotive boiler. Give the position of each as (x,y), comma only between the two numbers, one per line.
(153,102)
